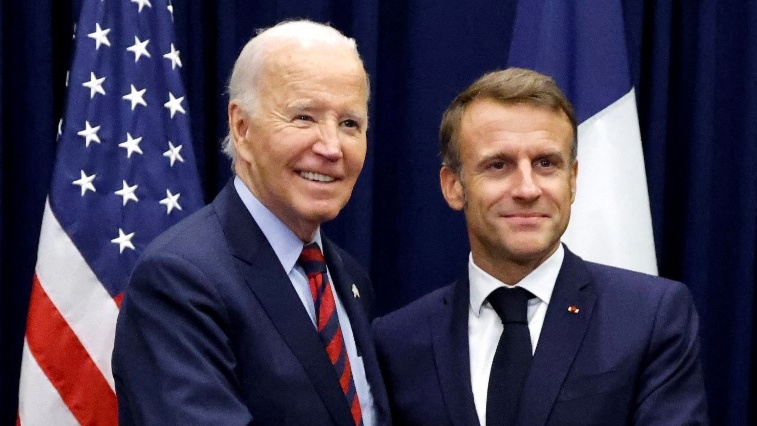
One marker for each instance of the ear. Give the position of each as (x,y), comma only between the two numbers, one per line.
(452,188)
(239,124)
(573,177)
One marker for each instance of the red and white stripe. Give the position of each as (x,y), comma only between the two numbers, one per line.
(66,376)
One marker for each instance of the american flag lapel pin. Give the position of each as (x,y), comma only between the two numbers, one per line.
(355,292)
(573,309)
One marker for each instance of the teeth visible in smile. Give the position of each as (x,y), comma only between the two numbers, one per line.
(316,177)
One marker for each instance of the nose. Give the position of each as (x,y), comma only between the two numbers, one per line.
(525,187)
(328,144)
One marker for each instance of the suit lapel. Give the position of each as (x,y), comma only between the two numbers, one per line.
(269,282)
(361,330)
(560,338)
(343,283)
(450,345)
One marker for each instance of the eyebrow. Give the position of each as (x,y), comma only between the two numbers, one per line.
(310,105)
(481,163)
(302,106)
(501,155)
(497,155)
(550,154)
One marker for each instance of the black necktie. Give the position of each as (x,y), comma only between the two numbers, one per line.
(512,357)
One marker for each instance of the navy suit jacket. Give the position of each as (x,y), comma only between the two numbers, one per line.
(628,356)
(212,332)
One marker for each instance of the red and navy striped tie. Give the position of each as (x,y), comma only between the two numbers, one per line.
(327,322)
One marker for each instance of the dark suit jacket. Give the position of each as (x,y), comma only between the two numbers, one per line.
(211,331)
(630,355)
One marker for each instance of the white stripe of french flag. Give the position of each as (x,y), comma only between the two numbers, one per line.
(611,221)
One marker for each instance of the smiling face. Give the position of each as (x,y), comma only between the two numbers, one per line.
(302,148)
(516,184)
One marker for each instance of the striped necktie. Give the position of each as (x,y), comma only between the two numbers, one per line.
(326,319)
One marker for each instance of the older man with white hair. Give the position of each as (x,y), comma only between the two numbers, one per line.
(244,313)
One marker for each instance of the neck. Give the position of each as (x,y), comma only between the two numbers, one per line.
(508,268)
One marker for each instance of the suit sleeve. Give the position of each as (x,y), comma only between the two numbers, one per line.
(671,387)
(172,361)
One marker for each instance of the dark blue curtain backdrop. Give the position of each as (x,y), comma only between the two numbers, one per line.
(694,65)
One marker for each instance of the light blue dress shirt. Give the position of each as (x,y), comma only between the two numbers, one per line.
(288,247)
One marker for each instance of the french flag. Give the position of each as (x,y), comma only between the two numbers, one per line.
(581,45)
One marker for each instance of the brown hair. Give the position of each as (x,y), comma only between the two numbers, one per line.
(508,87)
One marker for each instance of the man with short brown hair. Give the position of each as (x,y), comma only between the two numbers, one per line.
(533,334)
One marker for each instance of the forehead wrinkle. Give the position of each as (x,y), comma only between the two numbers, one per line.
(306,80)
(293,58)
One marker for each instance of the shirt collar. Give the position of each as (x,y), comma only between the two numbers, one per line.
(540,282)
(285,243)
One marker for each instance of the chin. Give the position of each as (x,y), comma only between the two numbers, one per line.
(321,215)
(325,207)
(528,251)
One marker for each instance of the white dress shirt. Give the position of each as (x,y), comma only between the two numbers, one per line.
(288,248)
(485,326)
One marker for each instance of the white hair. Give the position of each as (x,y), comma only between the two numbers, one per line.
(245,80)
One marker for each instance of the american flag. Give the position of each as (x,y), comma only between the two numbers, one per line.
(124,172)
